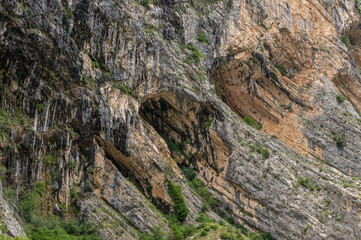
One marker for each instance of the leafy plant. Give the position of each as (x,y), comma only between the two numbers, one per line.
(340,98)
(49,159)
(125,88)
(249,120)
(340,140)
(189,173)
(282,69)
(180,208)
(259,126)
(194,55)
(307,183)
(345,40)
(265,153)
(209,122)
(145,3)
(202,37)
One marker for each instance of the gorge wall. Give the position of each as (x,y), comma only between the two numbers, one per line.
(105,102)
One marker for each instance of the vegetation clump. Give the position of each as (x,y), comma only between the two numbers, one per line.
(194,54)
(249,120)
(202,37)
(124,88)
(180,208)
(282,69)
(340,98)
(340,140)
(346,41)
(307,183)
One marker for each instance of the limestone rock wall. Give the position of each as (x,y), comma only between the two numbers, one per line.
(93,91)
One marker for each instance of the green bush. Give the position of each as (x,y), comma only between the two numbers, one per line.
(204,233)
(203,218)
(124,88)
(202,37)
(340,140)
(202,190)
(282,69)
(345,40)
(259,126)
(4,237)
(209,122)
(340,98)
(39,188)
(56,229)
(28,206)
(194,55)
(230,3)
(189,173)
(249,120)
(157,234)
(180,208)
(265,153)
(52,228)
(228,236)
(145,3)
(357,5)
(49,159)
(307,183)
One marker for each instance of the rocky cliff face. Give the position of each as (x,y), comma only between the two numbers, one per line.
(104,102)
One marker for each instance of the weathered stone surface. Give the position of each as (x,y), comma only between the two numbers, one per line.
(105,83)
(10,222)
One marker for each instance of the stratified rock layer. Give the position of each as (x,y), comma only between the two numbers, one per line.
(96,89)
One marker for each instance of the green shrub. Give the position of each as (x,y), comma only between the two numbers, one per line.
(202,190)
(157,234)
(357,5)
(209,122)
(194,55)
(10,194)
(340,140)
(227,236)
(346,184)
(204,233)
(180,208)
(28,206)
(265,153)
(145,3)
(49,159)
(52,228)
(202,37)
(230,3)
(282,69)
(4,237)
(249,120)
(259,126)
(345,40)
(68,12)
(56,229)
(340,98)
(203,218)
(189,173)
(124,88)
(39,188)
(307,183)
(73,194)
